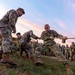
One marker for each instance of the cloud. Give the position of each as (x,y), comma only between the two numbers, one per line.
(69,5)
(25,25)
(61,23)
(3,9)
(72,32)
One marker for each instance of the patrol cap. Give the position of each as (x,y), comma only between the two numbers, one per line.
(21,10)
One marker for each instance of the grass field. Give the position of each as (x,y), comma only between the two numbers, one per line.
(27,67)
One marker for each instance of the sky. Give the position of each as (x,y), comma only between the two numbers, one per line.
(59,14)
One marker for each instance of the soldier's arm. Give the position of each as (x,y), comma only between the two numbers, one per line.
(12,20)
(57,35)
(35,37)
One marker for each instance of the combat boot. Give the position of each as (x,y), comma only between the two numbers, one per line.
(38,62)
(7,60)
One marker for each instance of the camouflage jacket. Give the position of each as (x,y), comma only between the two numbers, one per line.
(9,19)
(46,37)
(26,37)
(72,47)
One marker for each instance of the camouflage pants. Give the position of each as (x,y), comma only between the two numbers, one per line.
(27,49)
(6,39)
(56,50)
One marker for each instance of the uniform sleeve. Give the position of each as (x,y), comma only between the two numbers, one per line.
(57,35)
(35,37)
(12,19)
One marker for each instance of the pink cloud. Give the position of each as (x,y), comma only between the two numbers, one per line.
(61,23)
(3,9)
(25,25)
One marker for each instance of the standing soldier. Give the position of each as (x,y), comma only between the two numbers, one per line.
(72,51)
(63,49)
(7,26)
(67,52)
(48,38)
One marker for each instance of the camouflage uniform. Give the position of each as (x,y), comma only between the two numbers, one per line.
(48,38)
(25,43)
(1,52)
(67,52)
(72,47)
(35,44)
(44,50)
(18,40)
(63,49)
(7,24)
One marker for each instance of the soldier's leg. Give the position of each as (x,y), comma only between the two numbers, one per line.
(37,59)
(33,56)
(30,50)
(26,52)
(72,56)
(68,55)
(55,49)
(21,50)
(60,57)
(38,52)
(6,41)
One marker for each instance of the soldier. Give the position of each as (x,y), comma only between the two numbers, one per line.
(63,49)
(19,36)
(7,26)
(67,52)
(72,47)
(48,38)
(25,43)
(26,46)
